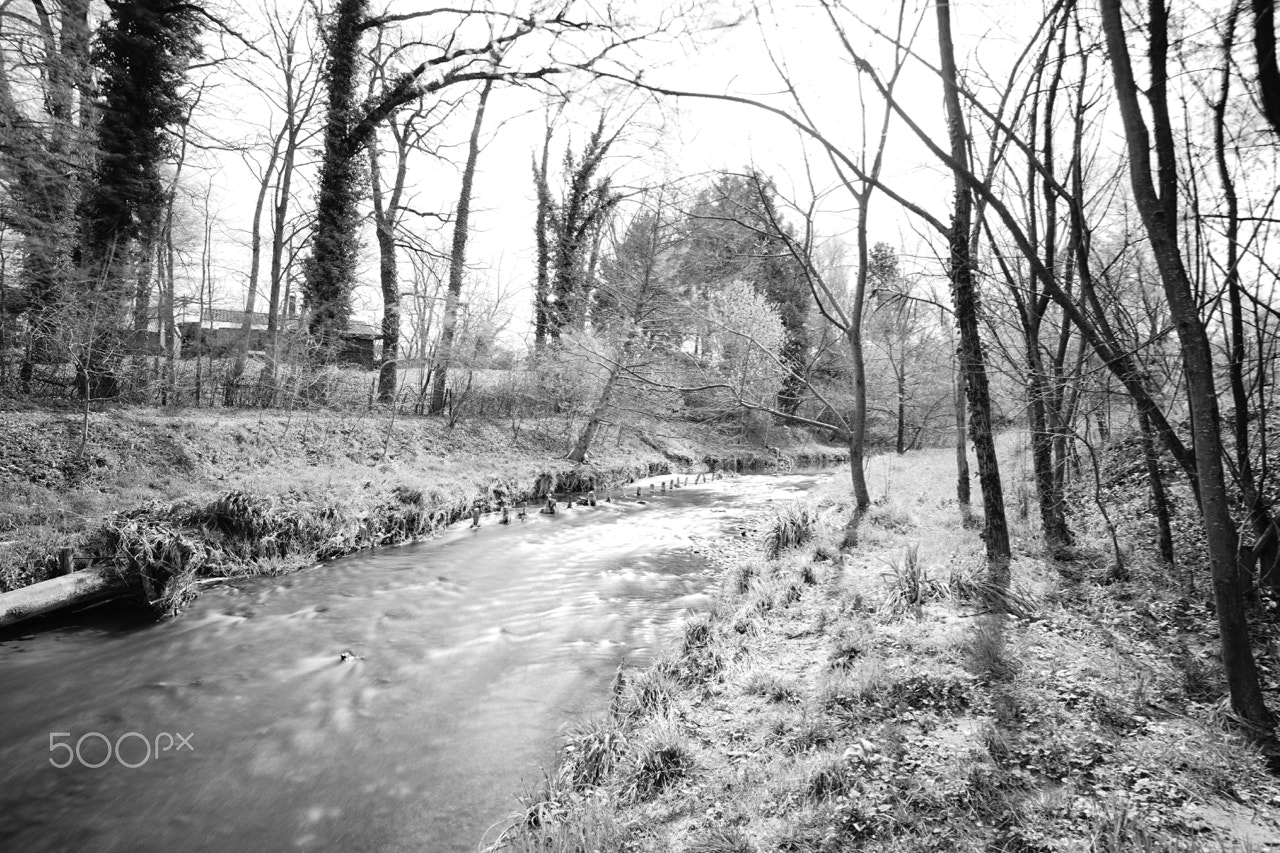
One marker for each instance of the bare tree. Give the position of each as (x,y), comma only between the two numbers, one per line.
(1158,206)
(458,256)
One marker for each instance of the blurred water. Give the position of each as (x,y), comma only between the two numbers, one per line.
(471,651)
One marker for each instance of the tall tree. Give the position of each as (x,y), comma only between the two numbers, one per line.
(458,257)
(633,309)
(329,273)
(143,52)
(739,234)
(964,298)
(571,226)
(44,153)
(1155,189)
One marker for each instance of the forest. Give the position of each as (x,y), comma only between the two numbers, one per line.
(916,228)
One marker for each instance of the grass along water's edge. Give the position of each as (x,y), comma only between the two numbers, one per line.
(169,502)
(868,701)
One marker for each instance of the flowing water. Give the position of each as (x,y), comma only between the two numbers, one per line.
(240,726)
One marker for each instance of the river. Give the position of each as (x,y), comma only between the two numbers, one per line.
(241,727)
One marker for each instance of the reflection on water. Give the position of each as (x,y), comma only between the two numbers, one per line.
(466,655)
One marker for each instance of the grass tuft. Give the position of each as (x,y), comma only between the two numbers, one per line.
(831,779)
(592,749)
(795,524)
(910,586)
(772,686)
(659,764)
(648,693)
(721,840)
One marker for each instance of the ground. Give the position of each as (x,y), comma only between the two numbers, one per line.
(869,701)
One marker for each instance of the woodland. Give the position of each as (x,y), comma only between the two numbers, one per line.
(1089,261)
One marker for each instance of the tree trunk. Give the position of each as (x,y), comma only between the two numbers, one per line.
(255,265)
(542,224)
(588,434)
(390,317)
(1159,497)
(965,299)
(385,215)
(330,272)
(1159,211)
(858,417)
(902,410)
(1265,552)
(1264,45)
(963,494)
(1049,487)
(458,259)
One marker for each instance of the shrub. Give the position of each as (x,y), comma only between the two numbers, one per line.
(742,576)
(891,517)
(927,691)
(582,830)
(848,695)
(697,634)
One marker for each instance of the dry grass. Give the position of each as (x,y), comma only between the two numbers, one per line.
(166,495)
(924,714)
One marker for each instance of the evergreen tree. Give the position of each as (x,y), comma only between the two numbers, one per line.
(733,238)
(142,51)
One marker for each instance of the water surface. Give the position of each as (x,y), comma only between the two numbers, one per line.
(467,655)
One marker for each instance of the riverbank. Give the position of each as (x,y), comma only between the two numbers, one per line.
(866,701)
(170,500)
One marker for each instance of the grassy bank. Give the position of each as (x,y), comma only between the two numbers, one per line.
(868,701)
(172,499)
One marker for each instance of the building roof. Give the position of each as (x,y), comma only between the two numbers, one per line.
(355,328)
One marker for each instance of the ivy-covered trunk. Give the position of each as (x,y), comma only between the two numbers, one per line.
(964,297)
(330,272)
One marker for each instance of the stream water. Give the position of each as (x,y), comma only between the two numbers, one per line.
(240,726)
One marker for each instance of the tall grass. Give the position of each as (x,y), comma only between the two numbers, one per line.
(660,762)
(794,525)
(592,749)
(910,586)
